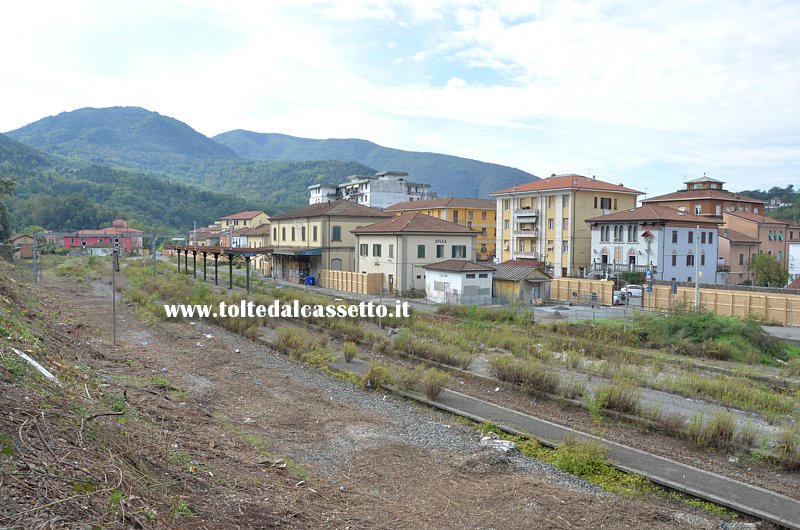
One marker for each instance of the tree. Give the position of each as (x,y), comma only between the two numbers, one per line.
(6,185)
(767,271)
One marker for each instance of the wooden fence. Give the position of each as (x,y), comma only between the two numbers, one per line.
(768,307)
(354,282)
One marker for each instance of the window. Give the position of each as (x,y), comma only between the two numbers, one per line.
(741,259)
(275,233)
(363,249)
(564,201)
(550,201)
(711,238)
(376,250)
(455,216)
(615,203)
(469,224)
(283,233)
(439,251)
(506,204)
(605,203)
(689,260)
(550,223)
(302,233)
(702,238)
(391,250)
(780,256)
(702,259)
(336,233)
(674,236)
(674,260)
(292,233)
(420,251)
(698,209)
(565,246)
(689,279)
(595,203)
(314,233)
(483,232)
(483,248)
(336,264)
(483,275)
(459,251)
(483,216)
(469,215)
(565,223)
(780,235)
(691,237)
(471,276)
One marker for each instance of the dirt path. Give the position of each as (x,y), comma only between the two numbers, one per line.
(357,459)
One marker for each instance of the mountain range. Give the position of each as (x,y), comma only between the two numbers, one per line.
(263,170)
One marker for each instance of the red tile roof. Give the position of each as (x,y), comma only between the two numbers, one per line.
(702,194)
(795,284)
(260,230)
(243,215)
(458,265)
(653,212)
(414,222)
(341,208)
(558,182)
(759,218)
(443,202)
(735,236)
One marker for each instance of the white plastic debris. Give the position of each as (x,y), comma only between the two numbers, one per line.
(42,370)
(497,389)
(492,440)
(236,350)
(249,420)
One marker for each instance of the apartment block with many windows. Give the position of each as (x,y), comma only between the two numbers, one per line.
(545,220)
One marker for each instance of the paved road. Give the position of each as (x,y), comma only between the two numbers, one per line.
(736,495)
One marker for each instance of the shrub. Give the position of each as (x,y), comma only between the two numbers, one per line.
(717,432)
(408,380)
(531,375)
(289,339)
(748,434)
(793,366)
(673,423)
(787,447)
(574,388)
(584,458)
(377,375)
(620,395)
(433,382)
(350,351)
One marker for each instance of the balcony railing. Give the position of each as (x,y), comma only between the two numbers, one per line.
(526,254)
(610,268)
(527,232)
(526,212)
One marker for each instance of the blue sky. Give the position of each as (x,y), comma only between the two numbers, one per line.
(642,93)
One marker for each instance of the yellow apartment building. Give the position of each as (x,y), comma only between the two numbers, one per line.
(477,214)
(545,220)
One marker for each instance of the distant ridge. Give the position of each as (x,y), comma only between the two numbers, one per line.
(449,175)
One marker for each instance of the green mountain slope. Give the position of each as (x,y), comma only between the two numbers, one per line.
(56,193)
(125,136)
(449,175)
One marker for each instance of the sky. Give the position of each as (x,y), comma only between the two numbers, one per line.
(648,94)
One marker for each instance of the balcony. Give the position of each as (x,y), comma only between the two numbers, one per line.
(526,212)
(723,268)
(616,268)
(527,232)
(525,254)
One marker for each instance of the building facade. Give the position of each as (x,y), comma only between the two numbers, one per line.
(545,220)
(707,196)
(672,245)
(247,219)
(458,282)
(400,248)
(734,251)
(376,191)
(310,239)
(478,214)
(101,240)
(772,234)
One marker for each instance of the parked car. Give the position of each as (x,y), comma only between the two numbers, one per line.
(627,293)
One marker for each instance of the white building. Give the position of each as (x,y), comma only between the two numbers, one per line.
(794,260)
(400,247)
(458,281)
(669,243)
(376,191)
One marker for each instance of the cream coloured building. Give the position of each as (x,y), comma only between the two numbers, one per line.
(401,246)
(545,220)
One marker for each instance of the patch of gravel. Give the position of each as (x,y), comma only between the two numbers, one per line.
(409,422)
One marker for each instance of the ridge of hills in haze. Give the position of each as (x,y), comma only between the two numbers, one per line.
(137,138)
(56,193)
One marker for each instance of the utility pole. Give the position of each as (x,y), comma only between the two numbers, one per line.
(35,252)
(153,253)
(697,268)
